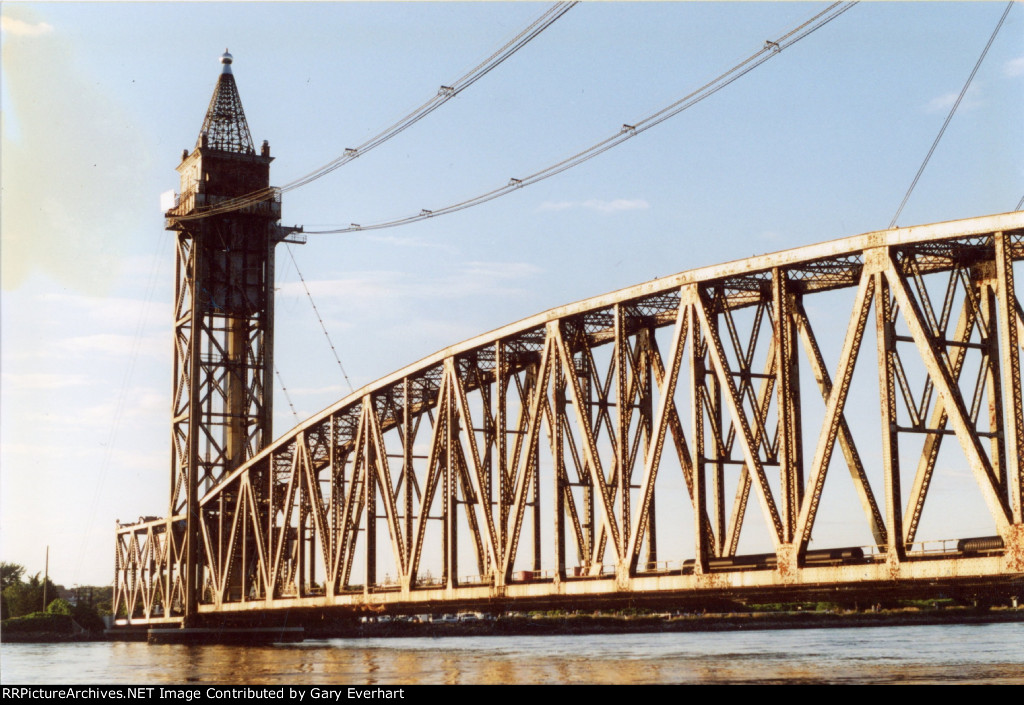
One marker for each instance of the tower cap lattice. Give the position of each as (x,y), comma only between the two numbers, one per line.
(225,127)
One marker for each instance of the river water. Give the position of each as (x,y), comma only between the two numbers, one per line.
(989,653)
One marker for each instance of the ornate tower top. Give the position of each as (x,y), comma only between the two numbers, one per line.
(225,127)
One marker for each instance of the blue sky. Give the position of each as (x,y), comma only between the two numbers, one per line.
(99,99)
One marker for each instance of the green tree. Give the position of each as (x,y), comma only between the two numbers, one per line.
(87,617)
(58,606)
(10,574)
(24,598)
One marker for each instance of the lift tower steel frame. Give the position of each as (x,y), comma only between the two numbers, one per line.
(222,405)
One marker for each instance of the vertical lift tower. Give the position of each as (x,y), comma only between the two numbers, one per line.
(226,220)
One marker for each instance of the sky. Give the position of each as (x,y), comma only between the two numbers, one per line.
(99,99)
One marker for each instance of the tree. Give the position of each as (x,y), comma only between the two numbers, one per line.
(59,606)
(23,598)
(10,574)
(87,618)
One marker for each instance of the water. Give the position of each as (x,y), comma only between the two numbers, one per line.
(990,653)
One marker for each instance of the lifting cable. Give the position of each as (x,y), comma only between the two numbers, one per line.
(769,50)
(949,117)
(287,396)
(444,94)
(322,326)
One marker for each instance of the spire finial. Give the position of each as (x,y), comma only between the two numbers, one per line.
(226,60)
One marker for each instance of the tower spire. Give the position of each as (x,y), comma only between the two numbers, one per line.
(225,127)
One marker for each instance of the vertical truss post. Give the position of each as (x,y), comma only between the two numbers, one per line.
(450,506)
(369,497)
(645,377)
(408,476)
(787,372)
(717,462)
(698,373)
(188,464)
(502,377)
(582,400)
(988,306)
(302,504)
(534,462)
(620,351)
(557,431)
(1010,352)
(886,342)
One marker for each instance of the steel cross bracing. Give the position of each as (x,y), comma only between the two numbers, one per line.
(556,460)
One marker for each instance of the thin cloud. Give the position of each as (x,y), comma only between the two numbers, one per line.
(43,381)
(399,241)
(20,28)
(501,270)
(1014,67)
(111,312)
(616,205)
(469,279)
(337,390)
(944,102)
(115,345)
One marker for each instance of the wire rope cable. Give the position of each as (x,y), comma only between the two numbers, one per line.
(444,94)
(952,111)
(628,131)
(319,318)
(287,396)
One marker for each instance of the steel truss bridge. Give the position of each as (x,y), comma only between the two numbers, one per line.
(625,448)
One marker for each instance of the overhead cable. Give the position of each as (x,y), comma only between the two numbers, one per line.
(444,94)
(287,396)
(628,130)
(949,117)
(320,318)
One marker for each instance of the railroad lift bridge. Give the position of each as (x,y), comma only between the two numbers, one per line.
(608,452)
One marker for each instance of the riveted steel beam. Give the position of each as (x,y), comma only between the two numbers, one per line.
(452,453)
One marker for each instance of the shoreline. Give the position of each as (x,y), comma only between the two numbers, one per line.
(614,624)
(562,625)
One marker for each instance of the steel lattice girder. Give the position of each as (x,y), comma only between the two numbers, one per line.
(564,418)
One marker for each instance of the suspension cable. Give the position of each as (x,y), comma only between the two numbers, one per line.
(949,117)
(287,396)
(320,319)
(444,94)
(628,131)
